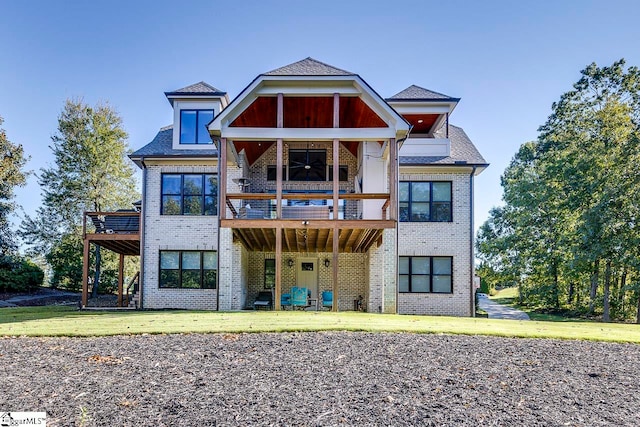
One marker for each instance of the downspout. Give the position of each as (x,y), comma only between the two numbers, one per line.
(397,208)
(472,299)
(221,205)
(142,230)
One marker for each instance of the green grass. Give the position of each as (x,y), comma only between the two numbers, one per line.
(65,321)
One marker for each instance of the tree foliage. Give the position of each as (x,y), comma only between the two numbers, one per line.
(90,173)
(12,175)
(569,232)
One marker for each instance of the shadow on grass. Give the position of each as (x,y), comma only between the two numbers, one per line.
(23,314)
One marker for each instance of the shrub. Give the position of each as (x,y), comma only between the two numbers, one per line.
(19,275)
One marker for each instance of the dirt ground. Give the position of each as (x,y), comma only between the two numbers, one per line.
(332,378)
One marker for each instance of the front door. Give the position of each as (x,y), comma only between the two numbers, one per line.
(307,276)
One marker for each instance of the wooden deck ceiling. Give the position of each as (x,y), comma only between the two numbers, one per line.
(350,240)
(125,244)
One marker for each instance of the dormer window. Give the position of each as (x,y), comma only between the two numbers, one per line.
(193,126)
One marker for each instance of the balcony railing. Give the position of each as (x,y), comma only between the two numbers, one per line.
(121,222)
(351,206)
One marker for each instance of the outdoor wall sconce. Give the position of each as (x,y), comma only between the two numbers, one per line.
(290,262)
(327,263)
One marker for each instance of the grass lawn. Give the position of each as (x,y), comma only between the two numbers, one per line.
(66,321)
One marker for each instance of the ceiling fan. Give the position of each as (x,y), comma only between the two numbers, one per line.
(307,165)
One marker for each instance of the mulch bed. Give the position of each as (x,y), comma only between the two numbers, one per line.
(332,378)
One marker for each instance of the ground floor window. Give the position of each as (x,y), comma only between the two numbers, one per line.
(425,274)
(188,269)
(269,273)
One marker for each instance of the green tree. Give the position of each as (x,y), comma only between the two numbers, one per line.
(91,173)
(571,198)
(12,175)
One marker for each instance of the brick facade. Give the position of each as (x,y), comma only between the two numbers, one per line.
(174,232)
(440,239)
(372,275)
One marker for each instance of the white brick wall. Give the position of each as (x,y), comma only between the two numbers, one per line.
(174,232)
(440,239)
(372,275)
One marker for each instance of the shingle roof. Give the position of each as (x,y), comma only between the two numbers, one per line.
(417,93)
(462,150)
(162,146)
(308,67)
(200,88)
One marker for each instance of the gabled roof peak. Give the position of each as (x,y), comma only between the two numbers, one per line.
(200,88)
(308,67)
(417,93)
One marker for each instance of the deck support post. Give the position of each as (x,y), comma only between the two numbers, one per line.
(222,180)
(85,273)
(393,179)
(278,284)
(336,201)
(120,279)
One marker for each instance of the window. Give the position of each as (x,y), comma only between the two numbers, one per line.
(189,194)
(188,269)
(269,273)
(425,201)
(307,165)
(272,171)
(193,126)
(423,274)
(343,173)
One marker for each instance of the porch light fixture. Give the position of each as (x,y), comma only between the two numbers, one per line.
(327,263)
(290,262)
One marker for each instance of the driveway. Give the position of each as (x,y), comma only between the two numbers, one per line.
(37,298)
(499,311)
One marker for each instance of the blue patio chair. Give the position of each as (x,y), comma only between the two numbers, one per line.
(285,300)
(299,297)
(327,299)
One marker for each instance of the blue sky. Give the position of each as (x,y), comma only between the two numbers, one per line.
(507,60)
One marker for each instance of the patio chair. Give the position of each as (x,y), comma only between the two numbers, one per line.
(285,300)
(327,299)
(264,300)
(299,297)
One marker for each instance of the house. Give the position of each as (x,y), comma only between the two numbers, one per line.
(308,179)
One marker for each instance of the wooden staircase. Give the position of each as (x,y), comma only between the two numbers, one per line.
(133,292)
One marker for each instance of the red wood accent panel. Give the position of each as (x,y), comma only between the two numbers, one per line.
(354,113)
(253,149)
(427,122)
(262,113)
(308,112)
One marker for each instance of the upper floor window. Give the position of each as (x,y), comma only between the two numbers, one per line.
(425,201)
(189,194)
(188,269)
(424,274)
(193,126)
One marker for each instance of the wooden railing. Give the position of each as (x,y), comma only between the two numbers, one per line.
(351,206)
(123,222)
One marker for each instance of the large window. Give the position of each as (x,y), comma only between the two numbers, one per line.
(424,274)
(424,201)
(188,269)
(189,194)
(269,273)
(193,126)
